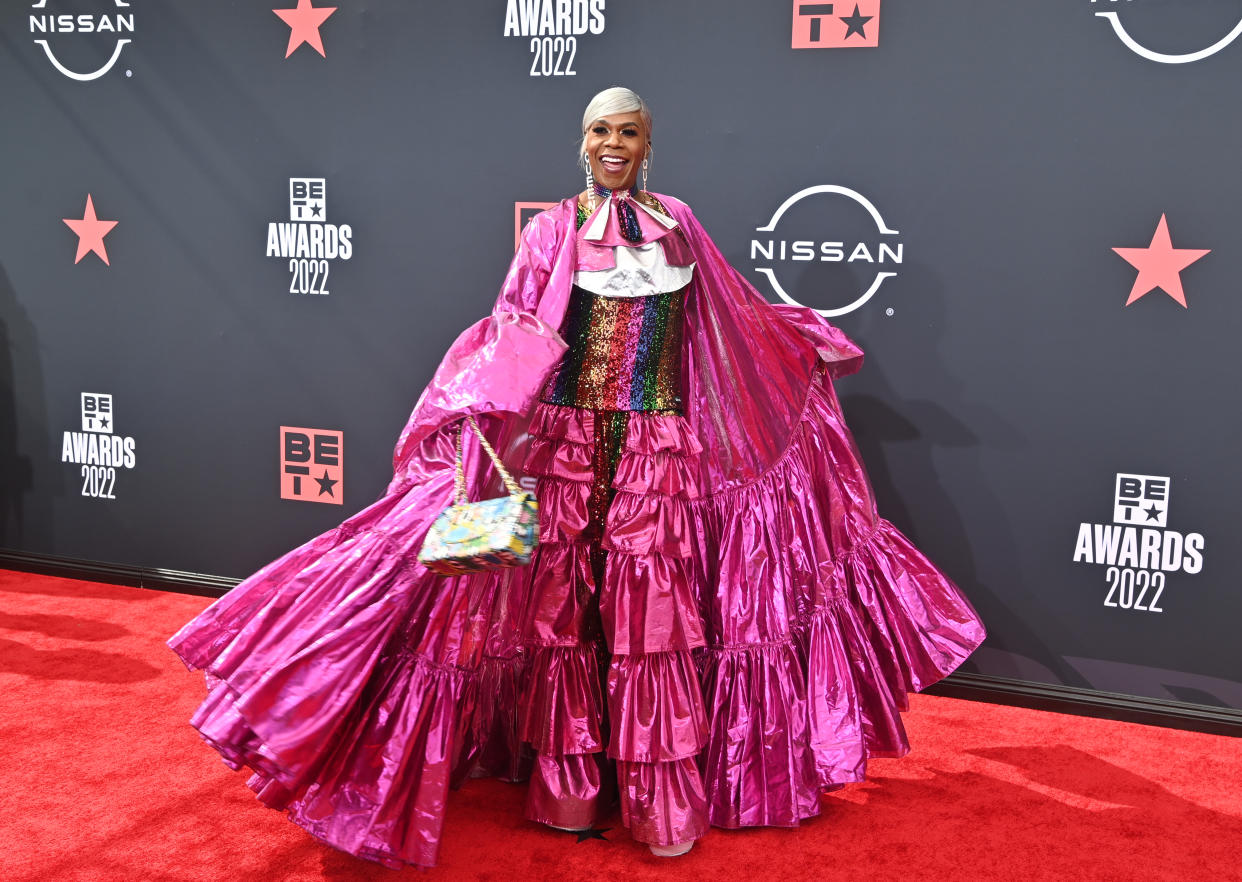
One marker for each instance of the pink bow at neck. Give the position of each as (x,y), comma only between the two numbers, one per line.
(602,232)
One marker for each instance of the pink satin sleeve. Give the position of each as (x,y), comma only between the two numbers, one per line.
(841,354)
(498,364)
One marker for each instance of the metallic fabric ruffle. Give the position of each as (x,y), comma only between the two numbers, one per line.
(807,619)
(596,585)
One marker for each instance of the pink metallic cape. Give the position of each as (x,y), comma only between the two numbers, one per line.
(359,687)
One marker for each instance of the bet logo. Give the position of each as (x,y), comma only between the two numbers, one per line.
(854,24)
(1141,499)
(307,241)
(311,468)
(98,451)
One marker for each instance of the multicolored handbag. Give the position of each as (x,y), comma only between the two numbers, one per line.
(469,537)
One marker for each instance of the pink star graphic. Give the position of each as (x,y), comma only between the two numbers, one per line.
(91,231)
(304,22)
(1160,265)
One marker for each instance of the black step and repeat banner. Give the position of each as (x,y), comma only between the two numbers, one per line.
(236,237)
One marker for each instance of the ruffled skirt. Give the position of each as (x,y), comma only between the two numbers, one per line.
(709,659)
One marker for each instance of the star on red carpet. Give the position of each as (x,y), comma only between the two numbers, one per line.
(91,231)
(1160,265)
(304,21)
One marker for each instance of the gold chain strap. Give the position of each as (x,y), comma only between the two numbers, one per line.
(459,477)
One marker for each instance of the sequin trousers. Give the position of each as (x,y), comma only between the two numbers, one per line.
(614,707)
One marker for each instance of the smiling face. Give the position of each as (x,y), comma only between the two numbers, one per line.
(615,146)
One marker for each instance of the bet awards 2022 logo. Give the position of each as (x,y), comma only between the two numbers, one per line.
(827,247)
(836,25)
(1137,548)
(307,241)
(311,465)
(1148,27)
(553,28)
(97,449)
(75,40)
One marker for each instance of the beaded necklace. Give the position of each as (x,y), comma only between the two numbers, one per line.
(626,213)
(584,214)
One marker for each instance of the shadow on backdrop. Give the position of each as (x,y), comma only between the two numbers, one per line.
(909,432)
(25,517)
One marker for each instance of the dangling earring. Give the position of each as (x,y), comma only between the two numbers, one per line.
(646,163)
(590,181)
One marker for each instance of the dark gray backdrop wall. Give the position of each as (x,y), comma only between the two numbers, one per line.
(973,173)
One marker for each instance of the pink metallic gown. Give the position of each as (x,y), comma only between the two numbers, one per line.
(716,627)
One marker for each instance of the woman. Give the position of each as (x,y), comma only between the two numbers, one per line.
(716,625)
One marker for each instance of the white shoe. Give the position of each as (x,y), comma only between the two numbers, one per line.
(568,829)
(671,850)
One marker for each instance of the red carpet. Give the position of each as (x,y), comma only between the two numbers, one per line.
(104,780)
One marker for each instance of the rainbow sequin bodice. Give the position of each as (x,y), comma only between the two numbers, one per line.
(624,353)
